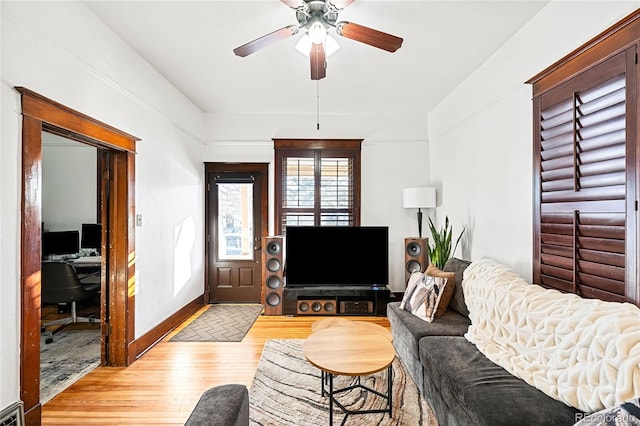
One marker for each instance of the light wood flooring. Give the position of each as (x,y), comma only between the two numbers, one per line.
(163,386)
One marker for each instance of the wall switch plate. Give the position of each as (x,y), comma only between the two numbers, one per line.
(138,220)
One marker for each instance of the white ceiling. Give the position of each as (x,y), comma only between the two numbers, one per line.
(190,43)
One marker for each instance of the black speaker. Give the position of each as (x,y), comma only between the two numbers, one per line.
(416,257)
(272,275)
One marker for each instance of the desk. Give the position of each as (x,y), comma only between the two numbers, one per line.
(88,269)
(87,262)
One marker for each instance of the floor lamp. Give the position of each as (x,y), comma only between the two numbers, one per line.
(419,198)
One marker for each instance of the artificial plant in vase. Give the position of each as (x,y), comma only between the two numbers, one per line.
(440,246)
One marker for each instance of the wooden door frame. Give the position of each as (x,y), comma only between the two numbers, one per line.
(42,114)
(263,169)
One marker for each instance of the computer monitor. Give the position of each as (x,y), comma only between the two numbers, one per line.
(91,236)
(60,243)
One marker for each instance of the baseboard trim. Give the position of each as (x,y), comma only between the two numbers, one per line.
(33,417)
(139,346)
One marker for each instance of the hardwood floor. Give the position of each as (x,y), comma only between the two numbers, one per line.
(163,386)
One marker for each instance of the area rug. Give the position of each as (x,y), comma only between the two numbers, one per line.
(71,355)
(220,323)
(286,391)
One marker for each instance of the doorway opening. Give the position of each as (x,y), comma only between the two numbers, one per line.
(71,277)
(116,195)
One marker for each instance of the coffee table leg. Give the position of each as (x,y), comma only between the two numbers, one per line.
(390,389)
(330,399)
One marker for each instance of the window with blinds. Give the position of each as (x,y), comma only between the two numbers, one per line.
(299,191)
(581,156)
(336,191)
(319,183)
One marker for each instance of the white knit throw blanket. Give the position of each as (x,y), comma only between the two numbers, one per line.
(583,352)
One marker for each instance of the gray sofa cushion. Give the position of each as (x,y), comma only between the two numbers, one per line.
(457,301)
(407,330)
(224,405)
(465,388)
(411,329)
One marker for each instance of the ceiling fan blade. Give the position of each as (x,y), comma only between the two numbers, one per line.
(369,36)
(341,4)
(294,4)
(318,62)
(265,40)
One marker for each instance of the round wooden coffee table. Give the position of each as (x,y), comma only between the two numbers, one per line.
(363,326)
(350,351)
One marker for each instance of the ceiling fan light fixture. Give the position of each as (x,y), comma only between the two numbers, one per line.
(304,45)
(317,32)
(331,46)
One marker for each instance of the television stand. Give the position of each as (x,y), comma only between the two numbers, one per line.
(336,300)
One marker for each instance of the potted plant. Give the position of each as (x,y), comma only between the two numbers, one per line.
(440,251)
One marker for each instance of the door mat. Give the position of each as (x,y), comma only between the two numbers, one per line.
(220,323)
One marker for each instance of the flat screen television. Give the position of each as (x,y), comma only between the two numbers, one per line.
(337,256)
(60,243)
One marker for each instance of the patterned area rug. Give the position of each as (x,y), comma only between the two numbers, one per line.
(220,323)
(71,355)
(286,391)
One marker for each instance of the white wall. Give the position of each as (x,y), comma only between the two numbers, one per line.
(387,168)
(98,75)
(69,184)
(480,136)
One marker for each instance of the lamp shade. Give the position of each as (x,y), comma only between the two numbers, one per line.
(421,197)
(330,45)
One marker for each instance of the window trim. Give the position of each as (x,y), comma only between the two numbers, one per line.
(611,41)
(285,148)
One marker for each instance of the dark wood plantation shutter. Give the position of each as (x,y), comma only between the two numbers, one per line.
(582,152)
(298,191)
(318,183)
(336,191)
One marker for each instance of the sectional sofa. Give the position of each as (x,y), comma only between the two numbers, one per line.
(464,387)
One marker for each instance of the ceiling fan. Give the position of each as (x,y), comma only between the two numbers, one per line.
(317,17)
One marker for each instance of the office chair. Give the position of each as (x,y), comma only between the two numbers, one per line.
(60,284)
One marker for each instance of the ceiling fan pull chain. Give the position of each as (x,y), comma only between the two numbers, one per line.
(317,104)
